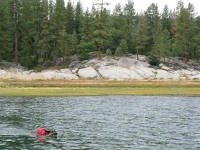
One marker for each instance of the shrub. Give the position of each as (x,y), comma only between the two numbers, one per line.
(153,60)
(118,52)
(84,49)
(123,46)
(83,56)
(108,52)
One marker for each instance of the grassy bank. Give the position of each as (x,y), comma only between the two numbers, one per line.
(91,91)
(97,87)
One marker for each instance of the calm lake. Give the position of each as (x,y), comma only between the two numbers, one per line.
(101,123)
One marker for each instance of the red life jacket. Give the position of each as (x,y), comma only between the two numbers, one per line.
(41,131)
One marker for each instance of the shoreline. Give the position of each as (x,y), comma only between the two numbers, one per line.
(98,88)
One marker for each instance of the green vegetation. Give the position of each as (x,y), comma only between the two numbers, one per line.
(97,87)
(92,91)
(35,33)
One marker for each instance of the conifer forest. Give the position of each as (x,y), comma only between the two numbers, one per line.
(35,33)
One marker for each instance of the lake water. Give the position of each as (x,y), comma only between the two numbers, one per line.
(101,123)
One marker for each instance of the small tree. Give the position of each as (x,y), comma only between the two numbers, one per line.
(141,35)
(118,52)
(162,45)
(84,49)
(108,52)
(124,47)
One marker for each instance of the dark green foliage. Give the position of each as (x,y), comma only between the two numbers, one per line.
(6,37)
(162,44)
(35,33)
(141,35)
(29,62)
(70,24)
(153,60)
(184,41)
(102,37)
(119,52)
(84,49)
(78,19)
(123,46)
(130,19)
(108,52)
(166,18)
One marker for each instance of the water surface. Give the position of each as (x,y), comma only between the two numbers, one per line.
(101,122)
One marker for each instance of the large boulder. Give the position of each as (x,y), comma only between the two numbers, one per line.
(127,62)
(140,58)
(57,75)
(145,72)
(163,74)
(196,77)
(88,73)
(186,72)
(3,72)
(92,62)
(117,72)
(66,76)
(76,64)
(67,71)
(106,62)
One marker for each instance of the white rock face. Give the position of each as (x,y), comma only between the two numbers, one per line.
(186,72)
(66,76)
(127,62)
(109,68)
(145,72)
(197,77)
(3,72)
(105,62)
(75,70)
(88,73)
(117,72)
(163,74)
(166,68)
(68,71)
(57,75)
(141,58)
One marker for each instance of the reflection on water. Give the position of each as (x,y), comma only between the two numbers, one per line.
(104,122)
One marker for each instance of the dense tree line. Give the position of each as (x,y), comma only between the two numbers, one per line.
(38,32)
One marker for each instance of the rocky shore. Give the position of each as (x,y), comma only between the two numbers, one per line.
(110,68)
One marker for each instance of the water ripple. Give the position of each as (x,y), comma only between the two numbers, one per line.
(101,122)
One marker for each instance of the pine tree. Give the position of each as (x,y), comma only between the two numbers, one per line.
(184,36)
(86,44)
(102,36)
(74,43)
(70,26)
(6,38)
(123,46)
(162,45)
(141,35)
(166,19)
(129,13)
(87,27)
(15,6)
(57,28)
(78,19)
(153,19)
(196,52)
(118,26)
(36,29)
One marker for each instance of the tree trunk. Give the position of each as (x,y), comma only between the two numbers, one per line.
(38,34)
(187,58)
(47,55)
(99,53)
(53,51)
(16,48)
(137,54)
